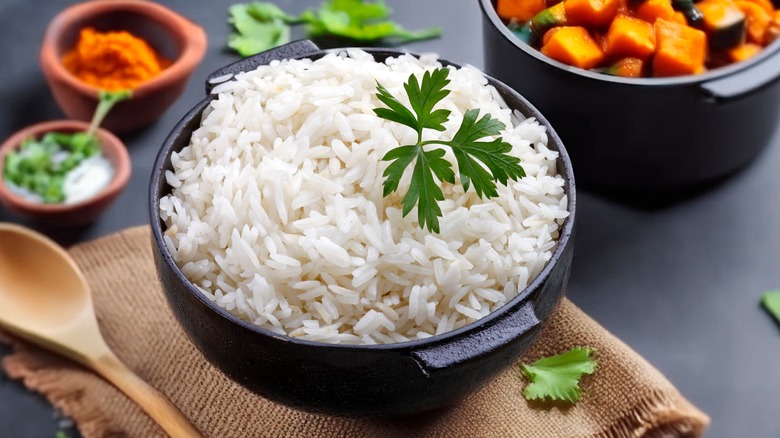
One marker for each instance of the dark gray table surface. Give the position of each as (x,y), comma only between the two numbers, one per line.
(679,284)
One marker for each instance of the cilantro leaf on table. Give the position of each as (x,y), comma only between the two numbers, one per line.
(268,11)
(558,377)
(480,163)
(260,26)
(360,21)
(771,302)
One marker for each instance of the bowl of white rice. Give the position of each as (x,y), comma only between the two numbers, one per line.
(294,275)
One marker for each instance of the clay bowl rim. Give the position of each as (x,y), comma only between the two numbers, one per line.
(158,185)
(192,52)
(121,164)
(489,12)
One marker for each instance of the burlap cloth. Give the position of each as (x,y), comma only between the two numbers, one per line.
(625,397)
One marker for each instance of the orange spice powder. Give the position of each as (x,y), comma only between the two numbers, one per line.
(113,60)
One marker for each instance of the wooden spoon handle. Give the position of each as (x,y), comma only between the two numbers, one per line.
(151,401)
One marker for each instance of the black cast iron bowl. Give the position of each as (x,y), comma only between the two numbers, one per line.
(644,134)
(390,379)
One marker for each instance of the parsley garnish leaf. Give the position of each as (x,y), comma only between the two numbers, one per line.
(771,301)
(397,111)
(401,157)
(480,163)
(424,97)
(493,154)
(558,377)
(425,190)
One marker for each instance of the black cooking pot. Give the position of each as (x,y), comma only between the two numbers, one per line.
(644,134)
(386,379)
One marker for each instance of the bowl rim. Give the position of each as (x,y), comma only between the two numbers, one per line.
(120,179)
(157,181)
(489,12)
(193,36)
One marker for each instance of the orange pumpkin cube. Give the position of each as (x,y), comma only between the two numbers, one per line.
(626,67)
(757,21)
(520,10)
(651,10)
(630,37)
(680,50)
(573,45)
(765,4)
(718,14)
(596,13)
(743,52)
(679,17)
(549,34)
(630,67)
(774,28)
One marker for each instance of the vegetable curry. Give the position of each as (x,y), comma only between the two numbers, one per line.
(644,38)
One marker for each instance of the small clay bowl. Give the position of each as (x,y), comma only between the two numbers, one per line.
(169,34)
(67,214)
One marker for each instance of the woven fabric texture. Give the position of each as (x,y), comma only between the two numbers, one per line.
(625,397)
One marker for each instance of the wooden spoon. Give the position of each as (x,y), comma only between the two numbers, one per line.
(45,299)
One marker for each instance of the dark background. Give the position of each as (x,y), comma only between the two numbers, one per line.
(680,284)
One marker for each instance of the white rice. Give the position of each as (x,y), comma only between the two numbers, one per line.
(277,212)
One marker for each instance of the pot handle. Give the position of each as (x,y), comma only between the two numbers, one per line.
(479,342)
(289,50)
(744,82)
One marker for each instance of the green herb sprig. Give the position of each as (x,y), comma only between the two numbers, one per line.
(480,163)
(360,21)
(261,26)
(558,377)
(40,165)
(771,302)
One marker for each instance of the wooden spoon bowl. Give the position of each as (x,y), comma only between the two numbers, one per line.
(45,299)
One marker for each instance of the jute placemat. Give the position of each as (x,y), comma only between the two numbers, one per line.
(625,397)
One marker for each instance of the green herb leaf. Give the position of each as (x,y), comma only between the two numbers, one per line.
(771,302)
(361,21)
(558,377)
(479,162)
(424,97)
(106,101)
(397,112)
(400,157)
(268,11)
(494,154)
(358,10)
(423,189)
(259,27)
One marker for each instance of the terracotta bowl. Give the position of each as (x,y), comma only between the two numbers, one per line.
(168,33)
(74,214)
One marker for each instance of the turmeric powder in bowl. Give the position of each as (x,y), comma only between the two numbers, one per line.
(113,60)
